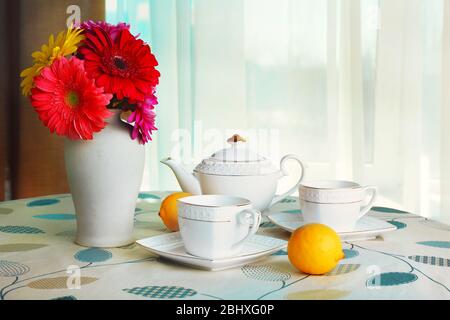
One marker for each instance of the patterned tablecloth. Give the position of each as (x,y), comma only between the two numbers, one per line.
(37,249)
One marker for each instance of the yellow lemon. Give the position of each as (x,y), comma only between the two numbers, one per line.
(168,211)
(315,249)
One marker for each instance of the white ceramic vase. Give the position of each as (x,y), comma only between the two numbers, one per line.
(105,175)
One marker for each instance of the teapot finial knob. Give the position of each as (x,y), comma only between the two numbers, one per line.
(236,138)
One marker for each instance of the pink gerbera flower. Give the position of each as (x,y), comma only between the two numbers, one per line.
(144,120)
(68,102)
(112,30)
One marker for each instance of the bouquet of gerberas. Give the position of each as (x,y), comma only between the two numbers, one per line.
(84,73)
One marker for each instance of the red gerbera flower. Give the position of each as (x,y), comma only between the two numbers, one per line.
(68,102)
(124,66)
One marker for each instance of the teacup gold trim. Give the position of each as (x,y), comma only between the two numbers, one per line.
(217,206)
(330,202)
(221,221)
(241,202)
(306,186)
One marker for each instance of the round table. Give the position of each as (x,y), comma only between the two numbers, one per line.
(39,260)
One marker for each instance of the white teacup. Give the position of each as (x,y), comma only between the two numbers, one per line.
(216,226)
(338,204)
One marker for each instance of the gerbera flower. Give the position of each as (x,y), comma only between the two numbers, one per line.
(68,102)
(144,120)
(124,66)
(112,30)
(65,44)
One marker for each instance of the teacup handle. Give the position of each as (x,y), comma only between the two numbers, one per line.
(367,207)
(285,173)
(256,219)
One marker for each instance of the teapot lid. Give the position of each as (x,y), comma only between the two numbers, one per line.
(236,160)
(237,152)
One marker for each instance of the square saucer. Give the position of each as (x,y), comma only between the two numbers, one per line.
(367,228)
(170,246)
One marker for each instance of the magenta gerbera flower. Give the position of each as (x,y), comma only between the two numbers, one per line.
(144,120)
(111,29)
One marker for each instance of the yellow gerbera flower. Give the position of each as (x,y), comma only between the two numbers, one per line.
(65,44)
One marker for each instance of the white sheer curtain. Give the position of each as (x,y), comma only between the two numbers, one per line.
(444,116)
(358,89)
(407,119)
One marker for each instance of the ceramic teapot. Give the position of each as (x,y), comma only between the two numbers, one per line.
(238,172)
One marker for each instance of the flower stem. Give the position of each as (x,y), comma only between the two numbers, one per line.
(283,286)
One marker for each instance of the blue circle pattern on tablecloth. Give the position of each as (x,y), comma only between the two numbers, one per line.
(264,273)
(55,216)
(162,292)
(65,298)
(436,244)
(280,253)
(398,224)
(388,210)
(42,202)
(93,255)
(267,224)
(144,195)
(20,229)
(431,260)
(295,211)
(350,253)
(391,279)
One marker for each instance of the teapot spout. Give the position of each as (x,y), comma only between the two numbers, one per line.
(188,182)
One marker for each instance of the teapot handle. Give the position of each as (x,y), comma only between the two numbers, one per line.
(285,173)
